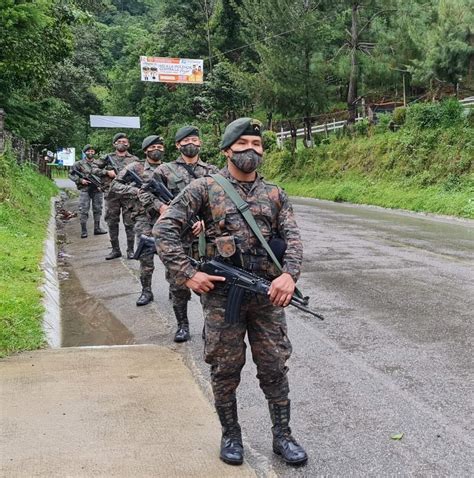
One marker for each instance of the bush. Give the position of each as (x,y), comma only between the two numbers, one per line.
(383,123)
(434,115)
(399,115)
(361,128)
(269,140)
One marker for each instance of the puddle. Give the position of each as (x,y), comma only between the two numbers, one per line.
(85,321)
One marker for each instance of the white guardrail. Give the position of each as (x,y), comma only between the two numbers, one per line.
(318,128)
(334,125)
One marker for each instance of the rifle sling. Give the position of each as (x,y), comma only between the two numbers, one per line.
(244,209)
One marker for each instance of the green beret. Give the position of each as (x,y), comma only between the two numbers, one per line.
(86,147)
(240,127)
(186,131)
(119,136)
(149,140)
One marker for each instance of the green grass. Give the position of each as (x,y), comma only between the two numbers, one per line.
(359,190)
(418,170)
(24,214)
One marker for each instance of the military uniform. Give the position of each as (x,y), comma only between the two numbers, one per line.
(176,175)
(230,238)
(114,202)
(88,194)
(144,209)
(226,228)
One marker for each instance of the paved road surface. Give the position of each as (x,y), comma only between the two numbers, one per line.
(394,355)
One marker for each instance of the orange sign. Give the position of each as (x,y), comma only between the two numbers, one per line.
(171,70)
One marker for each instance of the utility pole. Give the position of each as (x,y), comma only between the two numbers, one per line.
(208,36)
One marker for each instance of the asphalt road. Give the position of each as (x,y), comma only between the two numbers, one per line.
(394,355)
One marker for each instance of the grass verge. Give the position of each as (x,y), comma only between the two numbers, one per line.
(24,214)
(359,190)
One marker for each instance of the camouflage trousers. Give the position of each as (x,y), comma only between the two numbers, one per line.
(180,294)
(85,201)
(114,204)
(147,261)
(225,346)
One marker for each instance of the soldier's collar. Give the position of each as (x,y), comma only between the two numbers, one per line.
(182,161)
(225,172)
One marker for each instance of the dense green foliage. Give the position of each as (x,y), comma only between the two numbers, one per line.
(62,60)
(427,165)
(22,234)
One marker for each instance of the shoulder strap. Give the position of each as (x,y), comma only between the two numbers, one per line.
(189,169)
(243,207)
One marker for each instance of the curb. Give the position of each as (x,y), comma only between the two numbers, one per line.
(50,289)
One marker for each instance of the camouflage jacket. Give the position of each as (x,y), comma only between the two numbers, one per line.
(103,165)
(85,167)
(176,177)
(226,229)
(144,204)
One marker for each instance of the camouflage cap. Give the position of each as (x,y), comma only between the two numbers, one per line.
(119,136)
(240,127)
(186,131)
(86,147)
(153,139)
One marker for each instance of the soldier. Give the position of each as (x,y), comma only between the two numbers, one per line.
(177,175)
(88,192)
(229,234)
(144,204)
(108,168)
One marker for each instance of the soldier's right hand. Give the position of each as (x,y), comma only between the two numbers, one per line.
(202,282)
(85,182)
(163,208)
(111,173)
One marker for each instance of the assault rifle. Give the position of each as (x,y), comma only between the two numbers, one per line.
(92,178)
(238,280)
(157,188)
(113,164)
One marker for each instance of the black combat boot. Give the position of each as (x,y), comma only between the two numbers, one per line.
(181,313)
(232,449)
(147,295)
(283,442)
(97,229)
(115,252)
(83,230)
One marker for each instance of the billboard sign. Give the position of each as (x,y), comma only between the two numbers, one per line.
(66,156)
(98,121)
(171,70)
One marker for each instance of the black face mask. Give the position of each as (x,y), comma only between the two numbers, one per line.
(121,147)
(155,155)
(189,150)
(89,155)
(247,161)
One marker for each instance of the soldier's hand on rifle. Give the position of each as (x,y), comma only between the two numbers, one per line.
(198,227)
(85,182)
(111,173)
(163,208)
(281,290)
(202,282)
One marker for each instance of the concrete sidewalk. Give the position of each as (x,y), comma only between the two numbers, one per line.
(124,411)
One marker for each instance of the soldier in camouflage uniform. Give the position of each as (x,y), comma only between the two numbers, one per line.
(176,175)
(88,193)
(114,203)
(229,237)
(145,206)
